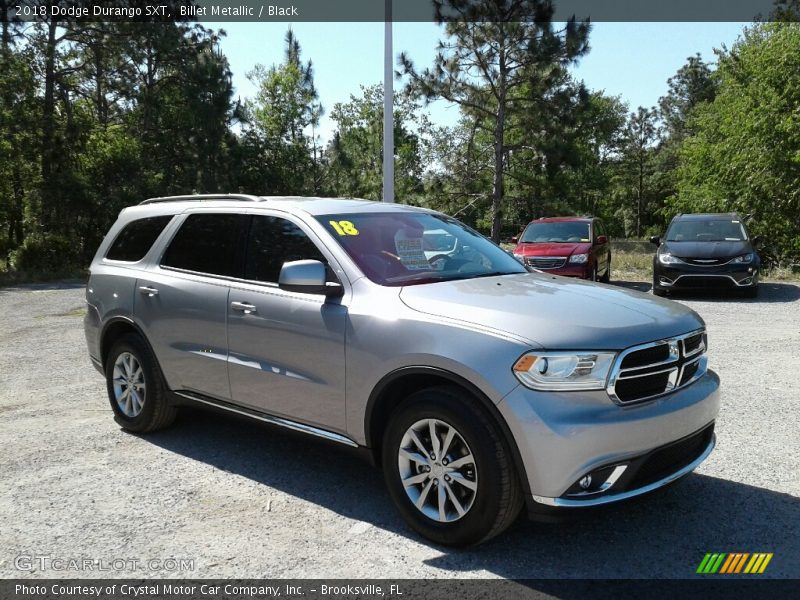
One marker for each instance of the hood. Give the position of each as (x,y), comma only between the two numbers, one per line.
(555,312)
(706,249)
(551,248)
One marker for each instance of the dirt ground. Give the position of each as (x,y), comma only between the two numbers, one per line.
(219,497)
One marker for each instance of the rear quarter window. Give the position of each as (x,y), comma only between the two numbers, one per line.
(136,238)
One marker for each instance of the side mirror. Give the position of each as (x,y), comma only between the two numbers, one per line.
(307,277)
(515,239)
(602,239)
(757,240)
(655,240)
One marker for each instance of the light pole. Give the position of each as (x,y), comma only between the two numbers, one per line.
(388,108)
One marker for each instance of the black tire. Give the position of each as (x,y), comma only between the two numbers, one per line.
(498,495)
(156,411)
(607,276)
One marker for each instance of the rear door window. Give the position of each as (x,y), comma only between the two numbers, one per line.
(136,238)
(208,243)
(272,242)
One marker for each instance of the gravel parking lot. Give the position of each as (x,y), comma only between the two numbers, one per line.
(241,500)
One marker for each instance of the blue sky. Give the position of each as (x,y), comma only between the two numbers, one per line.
(631,60)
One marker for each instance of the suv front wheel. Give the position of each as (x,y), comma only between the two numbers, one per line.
(449,469)
(136,388)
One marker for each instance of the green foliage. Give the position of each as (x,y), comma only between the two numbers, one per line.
(49,252)
(745,153)
(498,63)
(284,110)
(355,154)
(97,116)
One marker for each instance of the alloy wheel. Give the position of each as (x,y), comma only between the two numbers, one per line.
(438,470)
(129,385)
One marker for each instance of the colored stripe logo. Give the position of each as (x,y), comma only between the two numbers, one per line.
(734,562)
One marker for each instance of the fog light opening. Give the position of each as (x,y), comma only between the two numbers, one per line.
(665,280)
(596,482)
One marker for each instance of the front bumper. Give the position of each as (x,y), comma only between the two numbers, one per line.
(685,276)
(581,271)
(565,436)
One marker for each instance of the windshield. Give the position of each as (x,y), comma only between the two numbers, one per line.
(564,231)
(712,230)
(400,248)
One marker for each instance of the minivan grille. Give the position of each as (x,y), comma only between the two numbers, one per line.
(707,262)
(650,370)
(546,262)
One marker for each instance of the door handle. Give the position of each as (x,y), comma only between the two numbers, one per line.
(243,307)
(148,291)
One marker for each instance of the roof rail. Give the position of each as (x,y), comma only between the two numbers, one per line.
(199,197)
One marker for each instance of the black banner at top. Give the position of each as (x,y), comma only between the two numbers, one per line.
(401,10)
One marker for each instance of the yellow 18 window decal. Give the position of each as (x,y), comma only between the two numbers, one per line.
(344,227)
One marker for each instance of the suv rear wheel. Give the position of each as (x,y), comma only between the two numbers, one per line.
(449,469)
(136,388)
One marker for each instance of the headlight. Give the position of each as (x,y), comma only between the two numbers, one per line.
(665,258)
(565,371)
(579,258)
(744,259)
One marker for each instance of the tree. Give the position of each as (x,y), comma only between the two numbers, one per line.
(496,57)
(692,85)
(19,143)
(355,154)
(745,153)
(285,108)
(637,151)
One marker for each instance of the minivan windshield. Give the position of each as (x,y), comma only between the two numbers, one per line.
(559,231)
(405,248)
(702,230)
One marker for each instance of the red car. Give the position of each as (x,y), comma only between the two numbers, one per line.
(569,246)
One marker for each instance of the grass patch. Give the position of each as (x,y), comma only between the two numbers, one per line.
(632,265)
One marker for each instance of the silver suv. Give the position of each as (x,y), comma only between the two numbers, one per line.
(478,386)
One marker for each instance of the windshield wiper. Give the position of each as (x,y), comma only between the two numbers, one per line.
(433,278)
(496,273)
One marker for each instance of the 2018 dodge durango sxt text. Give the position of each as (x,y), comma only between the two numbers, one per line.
(477,385)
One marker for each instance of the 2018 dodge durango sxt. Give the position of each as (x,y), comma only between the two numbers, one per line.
(478,386)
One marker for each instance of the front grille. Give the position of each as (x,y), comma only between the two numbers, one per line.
(689,371)
(693,344)
(648,356)
(706,262)
(546,262)
(667,460)
(651,370)
(642,387)
(701,282)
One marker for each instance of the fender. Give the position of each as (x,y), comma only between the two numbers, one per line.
(458,380)
(120,319)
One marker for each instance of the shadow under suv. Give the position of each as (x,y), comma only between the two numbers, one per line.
(478,386)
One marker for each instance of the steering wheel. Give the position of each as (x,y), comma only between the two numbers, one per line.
(450,263)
